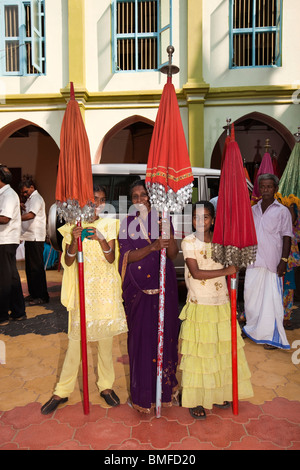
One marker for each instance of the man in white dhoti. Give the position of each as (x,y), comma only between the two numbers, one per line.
(263,281)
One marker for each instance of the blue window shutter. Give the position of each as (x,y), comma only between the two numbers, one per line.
(164,29)
(36,32)
(278,55)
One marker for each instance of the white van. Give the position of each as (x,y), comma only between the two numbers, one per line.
(117,178)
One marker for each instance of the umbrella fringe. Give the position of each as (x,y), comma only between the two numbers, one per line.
(70,211)
(168,200)
(233,256)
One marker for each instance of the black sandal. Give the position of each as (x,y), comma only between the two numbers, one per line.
(52,404)
(224,405)
(269,347)
(111,398)
(198,412)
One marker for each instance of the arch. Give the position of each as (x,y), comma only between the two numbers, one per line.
(267,127)
(26,148)
(272,123)
(130,123)
(12,127)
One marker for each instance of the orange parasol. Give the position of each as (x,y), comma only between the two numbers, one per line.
(74,199)
(169,182)
(74,185)
(169,177)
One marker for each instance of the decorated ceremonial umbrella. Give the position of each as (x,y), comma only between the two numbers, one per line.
(227,140)
(289,185)
(169,183)
(74,199)
(234,239)
(266,166)
(276,168)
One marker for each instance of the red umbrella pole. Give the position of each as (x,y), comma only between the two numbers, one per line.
(234,344)
(83,328)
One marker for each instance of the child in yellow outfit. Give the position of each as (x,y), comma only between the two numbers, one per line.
(104,311)
(205,332)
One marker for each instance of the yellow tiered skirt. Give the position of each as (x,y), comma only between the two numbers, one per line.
(206,361)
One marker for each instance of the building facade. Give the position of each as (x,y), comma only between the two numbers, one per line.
(237,60)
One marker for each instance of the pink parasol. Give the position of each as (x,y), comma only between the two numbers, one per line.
(169,182)
(74,199)
(266,166)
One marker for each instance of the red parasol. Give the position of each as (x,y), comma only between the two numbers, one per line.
(169,182)
(74,199)
(227,140)
(234,240)
(276,168)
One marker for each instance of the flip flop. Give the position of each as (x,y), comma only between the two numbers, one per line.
(198,412)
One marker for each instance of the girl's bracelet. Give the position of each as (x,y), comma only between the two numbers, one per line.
(108,251)
(71,254)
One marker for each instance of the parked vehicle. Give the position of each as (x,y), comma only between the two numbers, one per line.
(117,179)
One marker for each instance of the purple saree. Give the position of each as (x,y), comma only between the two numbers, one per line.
(141,297)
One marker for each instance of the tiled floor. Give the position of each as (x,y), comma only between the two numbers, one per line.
(35,350)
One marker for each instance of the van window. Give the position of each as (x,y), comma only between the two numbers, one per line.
(212,184)
(116,186)
(195,193)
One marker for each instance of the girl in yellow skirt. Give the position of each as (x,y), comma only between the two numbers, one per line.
(205,332)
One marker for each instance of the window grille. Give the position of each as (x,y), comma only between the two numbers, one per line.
(140,27)
(22,36)
(255,33)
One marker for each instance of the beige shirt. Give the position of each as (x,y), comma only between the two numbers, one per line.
(35,229)
(207,291)
(10,207)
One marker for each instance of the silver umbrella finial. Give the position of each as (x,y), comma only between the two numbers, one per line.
(170,69)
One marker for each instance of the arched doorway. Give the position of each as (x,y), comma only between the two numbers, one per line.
(127,142)
(26,148)
(251,133)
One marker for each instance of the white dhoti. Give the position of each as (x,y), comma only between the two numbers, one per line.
(264,308)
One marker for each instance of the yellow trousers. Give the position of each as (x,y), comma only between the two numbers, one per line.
(69,373)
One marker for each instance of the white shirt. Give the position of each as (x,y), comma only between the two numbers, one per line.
(10,207)
(271,226)
(35,229)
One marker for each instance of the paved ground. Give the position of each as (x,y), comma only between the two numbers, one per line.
(36,348)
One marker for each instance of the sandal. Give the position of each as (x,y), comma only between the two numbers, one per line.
(52,404)
(198,412)
(38,301)
(269,347)
(224,405)
(288,325)
(111,398)
(176,398)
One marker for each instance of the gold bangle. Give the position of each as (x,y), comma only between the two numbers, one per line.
(285,260)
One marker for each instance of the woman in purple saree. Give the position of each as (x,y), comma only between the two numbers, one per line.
(140,247)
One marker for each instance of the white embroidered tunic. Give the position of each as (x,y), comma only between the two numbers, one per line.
(104,311)
(207,291)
